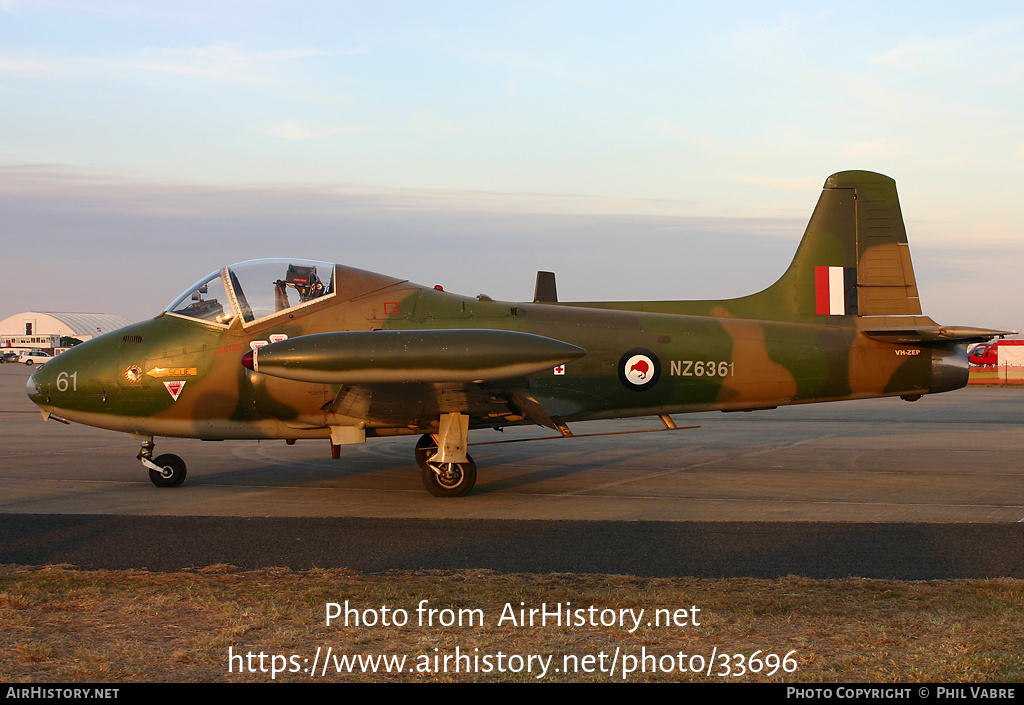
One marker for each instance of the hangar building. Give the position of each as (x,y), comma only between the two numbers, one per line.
(44,329)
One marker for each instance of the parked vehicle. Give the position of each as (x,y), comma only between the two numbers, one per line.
(1001,352)
(34,357)
(9,356)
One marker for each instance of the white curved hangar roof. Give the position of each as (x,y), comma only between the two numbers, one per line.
(75,325)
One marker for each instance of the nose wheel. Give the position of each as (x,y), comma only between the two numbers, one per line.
(171,472)
(443,479)
(166,470)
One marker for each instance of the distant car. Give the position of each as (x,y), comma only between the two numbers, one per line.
(9,356)
(34,357)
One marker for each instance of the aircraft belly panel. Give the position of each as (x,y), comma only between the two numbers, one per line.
(418,405)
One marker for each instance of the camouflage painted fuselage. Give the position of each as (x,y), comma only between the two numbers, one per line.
(182,375)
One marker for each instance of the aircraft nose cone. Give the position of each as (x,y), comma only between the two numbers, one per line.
(79,379)
(32,387)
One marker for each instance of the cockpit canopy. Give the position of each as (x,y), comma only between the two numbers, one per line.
(255,290)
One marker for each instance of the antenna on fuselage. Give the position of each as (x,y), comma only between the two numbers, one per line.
(545,292)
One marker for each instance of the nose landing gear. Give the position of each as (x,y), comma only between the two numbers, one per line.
(167,470)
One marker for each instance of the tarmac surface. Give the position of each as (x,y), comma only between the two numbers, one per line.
(875,488)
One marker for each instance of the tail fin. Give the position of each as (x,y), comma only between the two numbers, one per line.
(853,259)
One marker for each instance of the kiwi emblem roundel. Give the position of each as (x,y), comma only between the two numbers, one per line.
(639,369)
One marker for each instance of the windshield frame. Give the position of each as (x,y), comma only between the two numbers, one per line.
(170,310)
(235,294)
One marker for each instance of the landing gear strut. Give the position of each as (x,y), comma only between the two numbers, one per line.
(167,470)
(443,479)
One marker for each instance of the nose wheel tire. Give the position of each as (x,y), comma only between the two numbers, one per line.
(449,479)
(172,472)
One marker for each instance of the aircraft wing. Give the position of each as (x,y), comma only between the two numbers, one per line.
(417,405)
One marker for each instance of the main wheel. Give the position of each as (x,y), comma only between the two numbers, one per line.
(172,473)
(426,446)
(449,479)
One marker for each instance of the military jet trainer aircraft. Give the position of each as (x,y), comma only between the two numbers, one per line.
(295,349)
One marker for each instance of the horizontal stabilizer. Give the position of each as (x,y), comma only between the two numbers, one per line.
(361,357)
(930,334)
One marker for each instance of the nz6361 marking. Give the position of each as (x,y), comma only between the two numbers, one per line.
(702,368)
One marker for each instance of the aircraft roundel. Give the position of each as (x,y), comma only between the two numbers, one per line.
(639,369)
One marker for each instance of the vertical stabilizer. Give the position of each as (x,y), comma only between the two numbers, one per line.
(853,259)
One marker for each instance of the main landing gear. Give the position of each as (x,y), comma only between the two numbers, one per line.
(166,470)
(447,470)
(443,479)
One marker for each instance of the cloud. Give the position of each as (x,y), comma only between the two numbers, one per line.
(105,235)
(874,149)
(227,63)
(109,235)
(290,130)
(755,39)
(219,62)
(21,67)
(988,54)
(792,185)
(924,54)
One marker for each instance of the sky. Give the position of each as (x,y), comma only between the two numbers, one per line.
(640,150)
